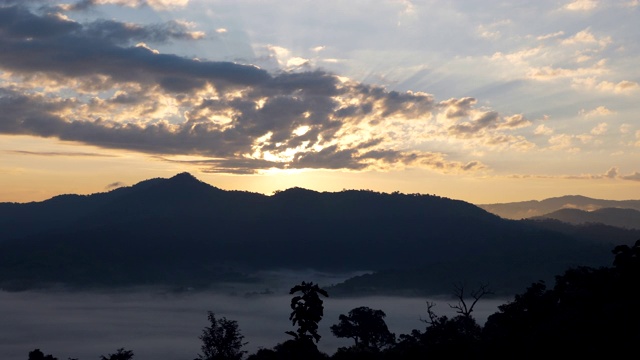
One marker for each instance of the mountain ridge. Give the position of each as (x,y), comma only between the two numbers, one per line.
(618,217)
(182,231)
(527,209)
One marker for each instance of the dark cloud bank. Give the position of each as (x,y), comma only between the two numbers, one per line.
(301,118)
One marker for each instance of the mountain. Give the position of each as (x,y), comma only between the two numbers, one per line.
(622,218)
(532,208)
(183,232)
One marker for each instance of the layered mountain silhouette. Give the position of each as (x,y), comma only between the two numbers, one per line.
(532,208)
(622,218)
(183,232)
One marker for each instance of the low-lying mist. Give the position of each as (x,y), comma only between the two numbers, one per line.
(165,325)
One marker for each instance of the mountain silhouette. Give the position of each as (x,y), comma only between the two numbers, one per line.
(622,218)
(183,232)
(532,208)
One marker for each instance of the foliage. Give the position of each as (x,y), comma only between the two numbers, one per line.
(366,327)
(221,340)
(121,354)
(588,311)
(39,355)
(308,310)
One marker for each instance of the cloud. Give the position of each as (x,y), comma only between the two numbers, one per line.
(99,83)
(114,185)
(456,108)
(155,4)
(635,176)
(515,122)
(543,130)
(621,87)
(599,111)
(122,33)
(562,142)
(18,23)
(625,128)
(586,37)
(547,73)
(485,120)
(581,5)
(58,153)
(612,174)
(243,117)
(491,31)
(550,35)
(600,129)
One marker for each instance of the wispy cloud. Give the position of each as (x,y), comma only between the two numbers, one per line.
(581,5)
(612,174)
(58,153)
(114,185)
(155,4)
(598,111)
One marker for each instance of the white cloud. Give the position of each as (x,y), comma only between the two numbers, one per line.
(581,5)
(625,128)
(599,111)
(546,73)
(550,36)
(586,37)
(518,57)
(562,142)
(543,130)
(591,83)
(620,87)
(600,129)
(491,31)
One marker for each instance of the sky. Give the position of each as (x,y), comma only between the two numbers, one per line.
(482,101)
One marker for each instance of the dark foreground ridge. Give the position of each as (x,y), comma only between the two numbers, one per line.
(183,232)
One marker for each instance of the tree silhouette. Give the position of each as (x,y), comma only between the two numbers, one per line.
(308,310)
(366,327)
(39,355)
(221,340)
(461,307)
(588,311)
(121,354)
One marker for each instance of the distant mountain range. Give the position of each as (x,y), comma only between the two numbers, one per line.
(182,232)
(622,218)
(533,208)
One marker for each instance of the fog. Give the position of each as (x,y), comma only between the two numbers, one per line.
(166,325)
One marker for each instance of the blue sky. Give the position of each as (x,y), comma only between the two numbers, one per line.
(480,101)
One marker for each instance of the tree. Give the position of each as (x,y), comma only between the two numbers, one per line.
(308,310)
(366,327)
(462,308)
(121,354)
(39,355)
(222,340)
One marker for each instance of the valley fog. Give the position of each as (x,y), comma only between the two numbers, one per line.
(166,325)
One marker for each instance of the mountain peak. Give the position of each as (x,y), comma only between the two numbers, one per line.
(185,180)
(183,176)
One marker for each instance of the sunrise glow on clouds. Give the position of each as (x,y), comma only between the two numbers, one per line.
(463,99)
